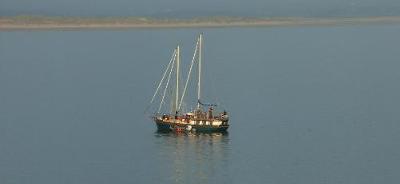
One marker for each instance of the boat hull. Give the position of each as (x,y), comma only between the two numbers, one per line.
(169,126)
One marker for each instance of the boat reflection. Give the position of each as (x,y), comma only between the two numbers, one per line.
(196,157)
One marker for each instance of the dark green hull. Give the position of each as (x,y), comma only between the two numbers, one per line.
(163,126)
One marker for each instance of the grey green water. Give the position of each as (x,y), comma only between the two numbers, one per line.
(307,105)
(190,8)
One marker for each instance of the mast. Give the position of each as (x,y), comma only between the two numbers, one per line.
(199,80)
(177,78)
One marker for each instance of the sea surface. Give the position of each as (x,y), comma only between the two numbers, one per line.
(307,105)
(193,8)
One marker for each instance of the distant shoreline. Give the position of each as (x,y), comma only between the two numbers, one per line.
(39,22)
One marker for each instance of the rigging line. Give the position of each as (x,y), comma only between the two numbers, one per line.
(162,79)
(166,86)
(188,76)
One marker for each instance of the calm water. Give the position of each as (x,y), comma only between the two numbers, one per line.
(307,104)
(192,8)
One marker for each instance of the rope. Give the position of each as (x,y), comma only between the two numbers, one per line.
(162,79)
(188,76)
(166,86)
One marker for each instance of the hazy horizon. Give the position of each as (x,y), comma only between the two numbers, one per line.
(187,9)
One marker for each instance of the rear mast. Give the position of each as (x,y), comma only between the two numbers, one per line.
(177,79)
(199,79)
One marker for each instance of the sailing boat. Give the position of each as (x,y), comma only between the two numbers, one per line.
(202,118)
